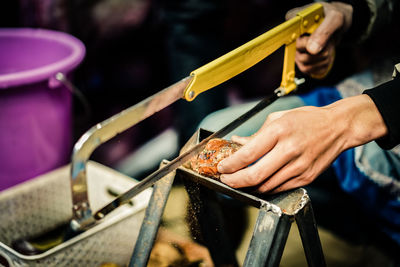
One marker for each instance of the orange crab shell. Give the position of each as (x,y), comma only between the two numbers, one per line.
(205,163)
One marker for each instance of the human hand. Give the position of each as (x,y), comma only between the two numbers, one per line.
(293,147)
(315,53)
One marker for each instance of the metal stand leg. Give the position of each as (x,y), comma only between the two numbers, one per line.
(309,235)
(269,238)
(151,221)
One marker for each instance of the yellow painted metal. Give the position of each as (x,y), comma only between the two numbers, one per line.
(247,55)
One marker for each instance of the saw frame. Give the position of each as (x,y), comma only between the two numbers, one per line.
(200,80)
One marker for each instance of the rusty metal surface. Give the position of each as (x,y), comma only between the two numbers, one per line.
(290,202)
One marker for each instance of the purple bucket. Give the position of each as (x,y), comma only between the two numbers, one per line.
(35,109)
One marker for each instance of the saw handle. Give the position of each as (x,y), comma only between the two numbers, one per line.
(247,55)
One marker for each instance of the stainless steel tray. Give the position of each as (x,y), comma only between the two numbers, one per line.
(45,202)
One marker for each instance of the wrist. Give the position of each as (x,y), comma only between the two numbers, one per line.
(358,120)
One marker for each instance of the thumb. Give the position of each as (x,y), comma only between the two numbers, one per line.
(320,37)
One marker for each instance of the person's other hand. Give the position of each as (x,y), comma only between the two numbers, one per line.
(315,53)
(293,147)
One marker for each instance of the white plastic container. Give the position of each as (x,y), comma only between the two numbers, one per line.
(45,202)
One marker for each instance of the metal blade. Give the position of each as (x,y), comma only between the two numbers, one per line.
(174,164)
(104,131)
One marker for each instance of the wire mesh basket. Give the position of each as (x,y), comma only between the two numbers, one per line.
(45,202)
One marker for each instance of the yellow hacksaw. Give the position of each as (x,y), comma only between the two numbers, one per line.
(200,80)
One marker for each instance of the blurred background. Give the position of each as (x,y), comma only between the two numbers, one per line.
(135,48)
